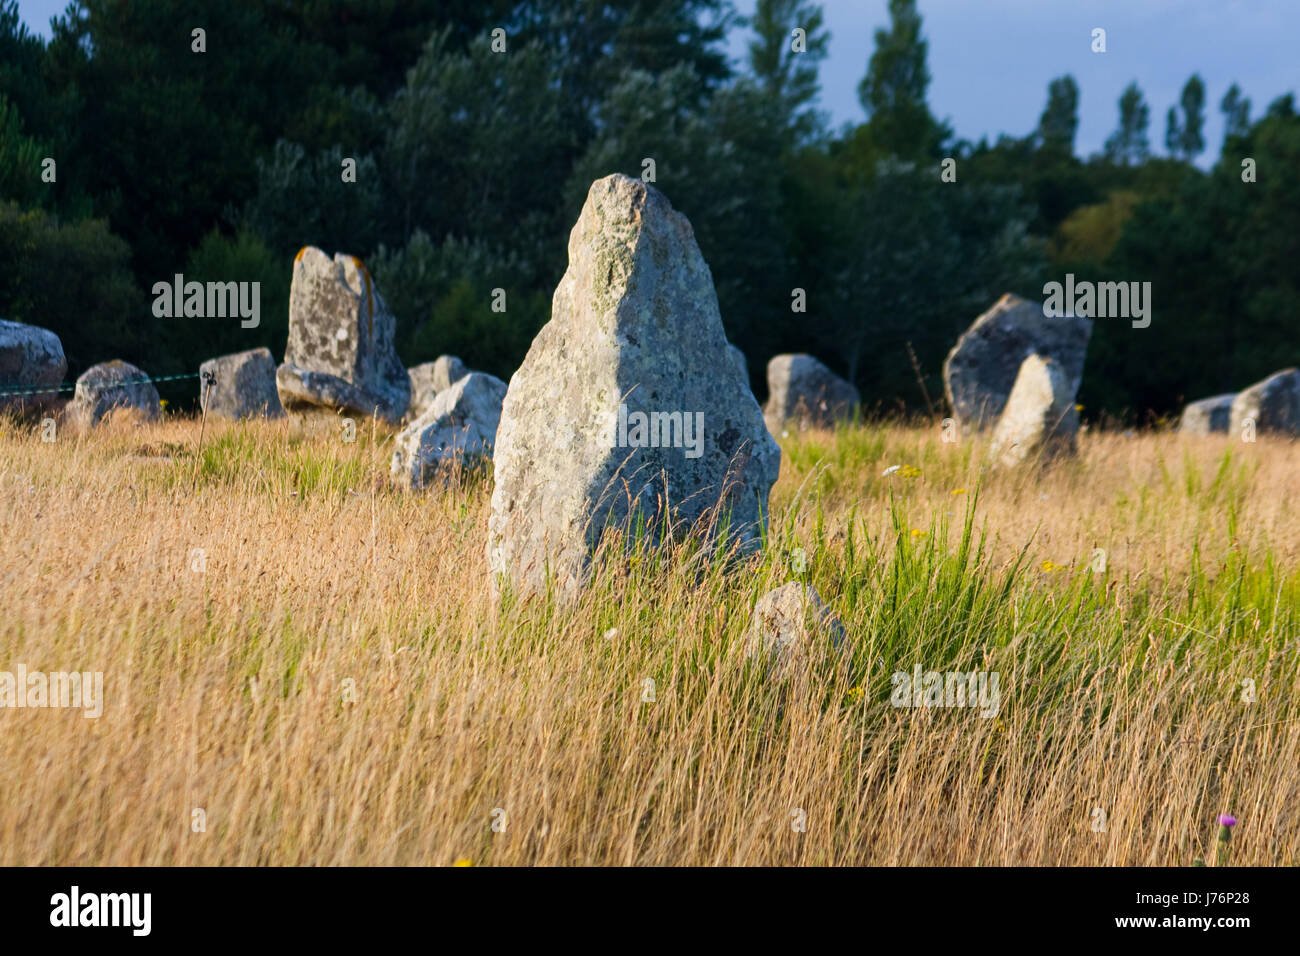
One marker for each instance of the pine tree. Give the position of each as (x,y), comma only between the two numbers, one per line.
(894,89)
(1185,138)
(784,71)
(1060,120)
(1128,145)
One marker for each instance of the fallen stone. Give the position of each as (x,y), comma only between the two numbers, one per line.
(787,626)
(806,394)
(111,388)
(458,428)
(626,405)
(1207,416)
(1040,421)
(430,378)
(982,367)
(32,366)
(1273,406)
(340,355)
(240,386)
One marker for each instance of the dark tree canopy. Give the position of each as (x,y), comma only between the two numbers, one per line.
(472,131)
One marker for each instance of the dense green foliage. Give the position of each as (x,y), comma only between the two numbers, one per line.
(471,164)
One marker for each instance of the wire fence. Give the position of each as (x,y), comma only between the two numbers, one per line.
(54,389)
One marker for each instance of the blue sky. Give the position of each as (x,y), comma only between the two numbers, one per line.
(991,60)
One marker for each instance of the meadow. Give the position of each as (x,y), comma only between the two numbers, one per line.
(302,664)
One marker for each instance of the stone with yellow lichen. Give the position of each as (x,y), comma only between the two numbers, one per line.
(341,354)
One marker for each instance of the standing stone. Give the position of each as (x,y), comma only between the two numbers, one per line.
(112,387)
(460,426)
(803,392)
(430,378)
(626,404)
(1040,420)
(240,386)
(786,624)
(1273,405)
(340,354)
(982,367)
(30,358)
(738,359)
(1207,415)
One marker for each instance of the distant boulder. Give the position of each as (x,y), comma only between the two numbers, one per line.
(803,392)
(1208,415)
(460,426)
(110,388)
(32,366)
(982,367)
(1271,406)
(787,625)
(1040,421)
(430,378)
(340,355)
(241,385)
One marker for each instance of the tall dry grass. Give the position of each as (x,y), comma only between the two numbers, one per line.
(332,687)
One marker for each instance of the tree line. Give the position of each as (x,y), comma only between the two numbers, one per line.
(469,165)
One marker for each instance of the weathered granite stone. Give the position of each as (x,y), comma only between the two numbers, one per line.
(430,378)
(786,624)
(31,358)
(1207,415)
(982,367)
(1040,421)
(109,388)
(1273,406)
(626,404)
(738,359)
(340,355)
(803,392)
(241,385)
(460,426)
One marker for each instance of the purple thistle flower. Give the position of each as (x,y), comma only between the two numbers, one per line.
(1227,820)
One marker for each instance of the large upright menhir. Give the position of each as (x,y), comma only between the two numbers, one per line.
(628,402)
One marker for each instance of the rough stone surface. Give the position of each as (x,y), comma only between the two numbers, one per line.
(786,624)
(460,425)
(103,390)
(30,358)
(1040,420)
(430,378)
(634,323)
(982,367)
(241,385)
(1273,405)
(340,355)
(1207,415)
(738,359)
(803,392)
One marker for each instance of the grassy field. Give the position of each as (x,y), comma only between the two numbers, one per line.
(308,656)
